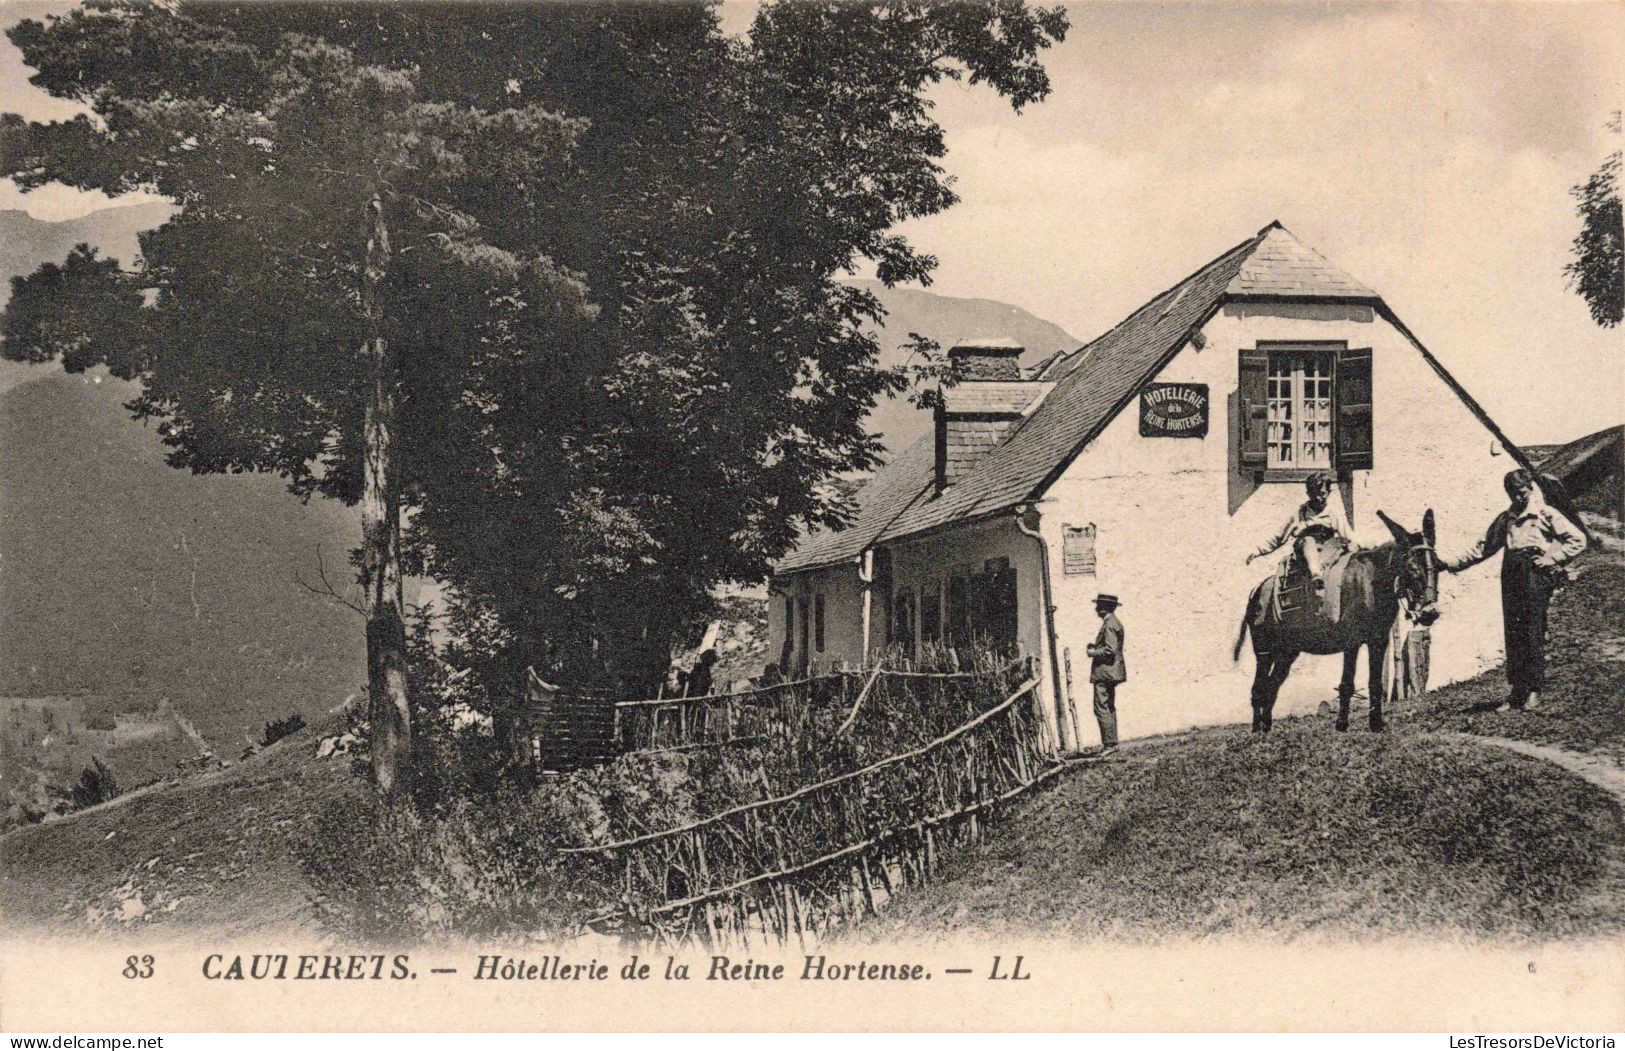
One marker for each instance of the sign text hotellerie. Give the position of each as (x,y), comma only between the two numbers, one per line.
(1174,410)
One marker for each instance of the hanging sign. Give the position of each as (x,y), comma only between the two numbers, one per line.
(1174,410)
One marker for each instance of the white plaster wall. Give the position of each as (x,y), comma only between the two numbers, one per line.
(1177,518)
(843,615)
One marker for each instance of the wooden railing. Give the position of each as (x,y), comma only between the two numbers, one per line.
(679,723)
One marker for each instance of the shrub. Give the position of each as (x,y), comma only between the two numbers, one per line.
(96,785)
(482,865)
(476,853)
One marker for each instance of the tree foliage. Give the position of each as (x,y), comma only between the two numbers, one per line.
(1597,271)
(626,358)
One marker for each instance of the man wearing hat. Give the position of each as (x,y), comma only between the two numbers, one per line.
(1538,539)
(1109,669)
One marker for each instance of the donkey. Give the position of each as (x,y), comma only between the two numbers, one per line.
(1372,584)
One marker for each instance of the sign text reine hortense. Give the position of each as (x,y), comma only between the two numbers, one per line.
(1174,410)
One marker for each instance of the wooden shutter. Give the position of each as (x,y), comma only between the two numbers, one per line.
(1252,391)
(1354,435)
(789,646)
(804,637)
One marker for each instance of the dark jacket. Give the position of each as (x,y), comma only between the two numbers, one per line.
(1107,652)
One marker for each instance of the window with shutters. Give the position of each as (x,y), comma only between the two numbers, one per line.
(803,658)
(787,651)
(994,604)
(958,625)
(1304,409)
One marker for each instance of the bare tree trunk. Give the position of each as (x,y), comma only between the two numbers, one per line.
(388,712)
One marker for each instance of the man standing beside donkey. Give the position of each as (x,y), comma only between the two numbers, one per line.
(1106,653)
(1538,539)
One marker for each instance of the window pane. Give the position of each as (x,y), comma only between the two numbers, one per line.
(1299,430)
(1278,433)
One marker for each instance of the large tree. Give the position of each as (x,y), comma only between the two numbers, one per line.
(1597,271)
(725,188)
(291,316)
(580,482)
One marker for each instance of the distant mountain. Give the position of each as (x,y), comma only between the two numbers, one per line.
(948,320)
(26,243)
(121,577)
(126,580)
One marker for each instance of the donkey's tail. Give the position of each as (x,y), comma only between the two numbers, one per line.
(1246,621)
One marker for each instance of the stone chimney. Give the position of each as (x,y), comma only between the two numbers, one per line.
(991,399)
(987,359)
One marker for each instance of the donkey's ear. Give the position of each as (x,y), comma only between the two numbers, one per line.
(1401,534)
(1427,526)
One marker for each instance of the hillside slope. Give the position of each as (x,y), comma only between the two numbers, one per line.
(214,852)
(131,583)
(1430,828)
(122,576)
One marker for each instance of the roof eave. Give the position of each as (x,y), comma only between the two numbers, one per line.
(813,567)
(1322,299)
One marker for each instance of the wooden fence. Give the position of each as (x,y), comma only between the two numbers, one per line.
(808,860)
(569,729)
(675,723)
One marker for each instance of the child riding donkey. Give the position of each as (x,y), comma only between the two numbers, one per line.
(1315,521)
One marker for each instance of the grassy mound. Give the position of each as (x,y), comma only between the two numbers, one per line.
(212,852)
(1301,831)
(1585,689)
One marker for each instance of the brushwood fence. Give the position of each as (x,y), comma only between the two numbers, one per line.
(571,729)
(782,710)
(808,860)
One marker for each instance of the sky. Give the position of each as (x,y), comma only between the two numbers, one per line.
(1427,149)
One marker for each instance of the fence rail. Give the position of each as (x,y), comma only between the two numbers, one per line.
(782,710)
(673,723)
(810,859)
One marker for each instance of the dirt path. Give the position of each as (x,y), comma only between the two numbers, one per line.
(213,775)
(1599,770)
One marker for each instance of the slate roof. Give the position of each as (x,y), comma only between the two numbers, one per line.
(966,442)
(892,488)
(1091,386)
(1282,265)
(994,397)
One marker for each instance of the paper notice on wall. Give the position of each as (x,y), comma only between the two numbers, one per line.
(1078,550)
